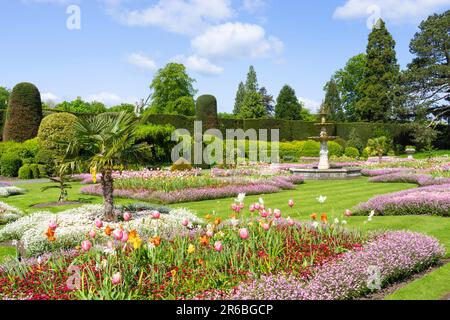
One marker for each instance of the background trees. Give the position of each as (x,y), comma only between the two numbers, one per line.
(80,106)
(332,102)
(4,97)
(251,101)
(288,107)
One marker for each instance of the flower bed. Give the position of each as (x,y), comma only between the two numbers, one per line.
(8,191)
(382,172)
(432,200)
(9,213)
(393,256)
(229,188)
(422,180)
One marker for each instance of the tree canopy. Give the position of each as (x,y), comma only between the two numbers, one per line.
(288,107)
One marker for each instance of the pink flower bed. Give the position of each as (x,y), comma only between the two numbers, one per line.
(393,255)
(382,172)
(419,179)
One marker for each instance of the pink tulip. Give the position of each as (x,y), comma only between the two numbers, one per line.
(116,278)
(156,214)
(127,216)
(92,234)
(264,214)
(291,203)
(185,222)
(86,245)
(234,207)
(118,234)
(348,213)
(98,223)
(125,237)
(257,206)
(266,226)
(218,246)
(210,233)
(243,233)
(53,225)
(252,208)
(241,206)
(261,207)
(290,222)
(277,213)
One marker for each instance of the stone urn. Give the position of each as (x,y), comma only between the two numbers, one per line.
(410,152)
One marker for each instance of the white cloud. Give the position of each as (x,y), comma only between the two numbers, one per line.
(179,16)
(48,96)
(198,64)
(142,61)
(390,10)
(254,6)
(61,2)
(109,98)
(236,40)
(310,104)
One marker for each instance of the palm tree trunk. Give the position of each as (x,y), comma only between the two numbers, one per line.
(108,198)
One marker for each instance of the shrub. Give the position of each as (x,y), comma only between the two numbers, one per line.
(355,141)
(35,170)
(310,149)
(352,152)
(10,164)
(159,140)
(341,142)
(335,149)
(42,171)
(184,106)
(206,112)
(24,113)
(56,130)
(25,172)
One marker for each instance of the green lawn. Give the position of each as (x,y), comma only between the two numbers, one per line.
(340,195)
(430,154)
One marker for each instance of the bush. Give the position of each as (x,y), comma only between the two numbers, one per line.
(55,131)
(25,172)
(310,149)
(335,149)
(42,171)
(10,164)
(352,152)
(206,112)
(354,141)
(341,142)
(24,113)
(35,170)
(159,138)
(184,106)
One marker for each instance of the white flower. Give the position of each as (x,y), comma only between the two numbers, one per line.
(315,225)
(261,201)
(372,214)
(344,222)
(321,199)
(336,221)
(240,198)
(234,222)
(39,260)
(14,243)
(150,246)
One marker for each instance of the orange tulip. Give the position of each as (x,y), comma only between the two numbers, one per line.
(108,230)
(204,241)
(217,221)
(324,218)
(314,216)
(50,235)
(156,241)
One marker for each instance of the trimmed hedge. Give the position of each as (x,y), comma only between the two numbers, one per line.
(55,130)
(351,152)
(10,164)
(25,172)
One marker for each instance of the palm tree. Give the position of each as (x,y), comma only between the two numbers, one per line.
(105,143)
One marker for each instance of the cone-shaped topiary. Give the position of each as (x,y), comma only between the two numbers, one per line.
(24,113)
(206,112)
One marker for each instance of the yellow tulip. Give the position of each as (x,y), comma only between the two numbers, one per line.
(191,249)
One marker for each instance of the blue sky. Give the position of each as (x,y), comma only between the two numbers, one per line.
(120,44)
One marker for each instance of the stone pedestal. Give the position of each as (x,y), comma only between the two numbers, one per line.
(323,163)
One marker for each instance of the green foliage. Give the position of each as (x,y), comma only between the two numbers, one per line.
(381,76)
(253,106)
(123,107)
(341,142)
(288,107)
(78,106)
(35,170)
(55,132)
(335,149)
(332,103)
(159,140)
(184,106)
(347,81)
(251,85)
(310,149)
(24,113)
(169,84)
(206,111)
(25,172)
(351,152)
(378,146)
(267,101)
(306,115)
(427,79)
(4,97)
(10,164)
(239,100)
(43,172)
(354,140)
(423,135)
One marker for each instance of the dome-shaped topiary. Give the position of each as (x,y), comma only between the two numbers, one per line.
(24,113)
(56,131)
(206,112)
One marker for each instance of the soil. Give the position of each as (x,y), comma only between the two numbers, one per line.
(55,204)
(383,293)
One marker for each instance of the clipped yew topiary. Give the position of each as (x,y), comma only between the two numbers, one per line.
(206,111)
(24,113)
(55,131)
(10,164)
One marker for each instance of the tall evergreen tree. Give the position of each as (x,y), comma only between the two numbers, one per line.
(381,75)
(251,85)
(333,103)
(4,97)
(427,79)
(288,107)
(240,96)
(267,101)
(253,106)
